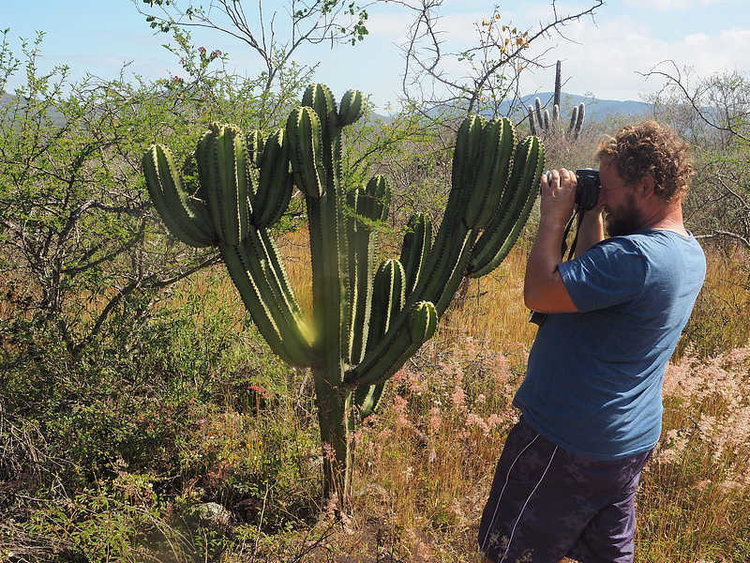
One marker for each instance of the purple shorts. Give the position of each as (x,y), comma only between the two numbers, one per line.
(546,504)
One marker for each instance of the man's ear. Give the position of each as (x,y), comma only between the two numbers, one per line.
(646,186)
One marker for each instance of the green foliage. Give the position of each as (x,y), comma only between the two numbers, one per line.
(99,377)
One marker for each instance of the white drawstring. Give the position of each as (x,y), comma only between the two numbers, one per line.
(507,476)
(527,502)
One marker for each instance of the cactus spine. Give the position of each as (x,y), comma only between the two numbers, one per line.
(540,122)
(366,320)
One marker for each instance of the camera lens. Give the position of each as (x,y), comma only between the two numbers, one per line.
(587,192)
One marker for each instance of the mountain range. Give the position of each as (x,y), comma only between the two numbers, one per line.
(596,109)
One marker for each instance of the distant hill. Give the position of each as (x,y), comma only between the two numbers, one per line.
(57,118)
(596,109)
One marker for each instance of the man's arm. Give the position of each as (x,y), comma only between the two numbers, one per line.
(591,230)
(544,290)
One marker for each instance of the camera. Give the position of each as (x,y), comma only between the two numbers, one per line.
(587,192)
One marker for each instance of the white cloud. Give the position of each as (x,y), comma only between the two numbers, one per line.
(610,57)
(670,5)
(659,5)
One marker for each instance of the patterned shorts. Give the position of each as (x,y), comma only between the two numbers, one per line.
(546,503)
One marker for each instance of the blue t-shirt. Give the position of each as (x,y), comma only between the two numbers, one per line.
(594,378)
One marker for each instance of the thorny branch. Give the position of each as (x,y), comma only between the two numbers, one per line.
(492,66)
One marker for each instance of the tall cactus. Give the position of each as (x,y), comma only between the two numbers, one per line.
(540,121)
(366,320)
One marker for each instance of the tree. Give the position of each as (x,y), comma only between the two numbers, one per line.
(482,76)
(306,22)
(714,115)
(78,239)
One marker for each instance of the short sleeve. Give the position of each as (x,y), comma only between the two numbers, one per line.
(608,274)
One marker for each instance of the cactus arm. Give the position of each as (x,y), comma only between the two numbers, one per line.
(454,233)
(234,173)
(516,203)
(532,124)
(556,114)
(254,302)
(275,183)
(464,172)
(352,107)
(255,145)
(230,187)
(484,172)
(538,112)
(414,326)
(303,128)
(492,178)
(573,120)
(292,324)
(295,335)
(388,301)
(580,118)
(361,251)
(320,98)
(187,220)
(279,273)
(389,296)
(558,84)
(415,248)
(368,206)
(223,167)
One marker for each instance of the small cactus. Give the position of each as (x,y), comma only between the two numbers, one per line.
(540,122)
(366,321)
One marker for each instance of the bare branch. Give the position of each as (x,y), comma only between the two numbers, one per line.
(492,66)
(676,81)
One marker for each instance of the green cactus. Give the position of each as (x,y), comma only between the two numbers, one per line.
(539,117)
(366,321)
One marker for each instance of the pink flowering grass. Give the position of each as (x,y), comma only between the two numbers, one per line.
(694,502)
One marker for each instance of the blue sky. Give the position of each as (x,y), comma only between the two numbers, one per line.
(602,56)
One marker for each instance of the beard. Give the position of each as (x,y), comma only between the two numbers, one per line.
(624,221)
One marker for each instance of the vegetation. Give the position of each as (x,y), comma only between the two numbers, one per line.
(144,418)
(365,325)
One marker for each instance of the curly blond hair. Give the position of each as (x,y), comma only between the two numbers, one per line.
(650,148)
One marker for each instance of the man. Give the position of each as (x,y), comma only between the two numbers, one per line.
(591,399)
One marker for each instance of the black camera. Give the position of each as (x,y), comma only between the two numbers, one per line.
(587,192)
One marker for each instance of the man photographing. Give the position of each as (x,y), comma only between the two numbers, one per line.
(591,399)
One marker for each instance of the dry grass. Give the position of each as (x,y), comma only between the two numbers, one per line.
(425,463)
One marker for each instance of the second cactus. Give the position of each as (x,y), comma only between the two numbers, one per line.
(366,320)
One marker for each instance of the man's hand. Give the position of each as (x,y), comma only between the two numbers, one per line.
(558,196)
(543,289)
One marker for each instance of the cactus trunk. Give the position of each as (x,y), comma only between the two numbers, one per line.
(366,321)
(334,417)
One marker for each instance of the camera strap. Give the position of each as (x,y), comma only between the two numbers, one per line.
(564,247)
